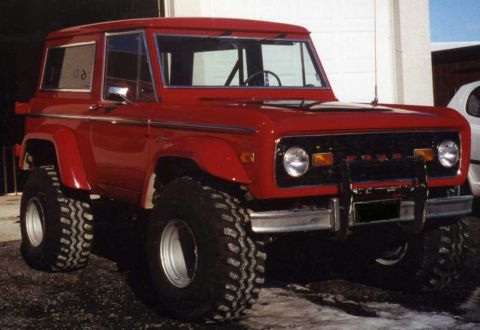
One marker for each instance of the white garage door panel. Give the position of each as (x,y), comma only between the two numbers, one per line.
(342,31)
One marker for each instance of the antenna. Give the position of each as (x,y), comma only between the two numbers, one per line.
(375,99)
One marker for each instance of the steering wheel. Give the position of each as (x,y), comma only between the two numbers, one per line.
(253,75)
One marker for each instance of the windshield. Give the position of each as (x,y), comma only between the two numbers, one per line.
(234,62)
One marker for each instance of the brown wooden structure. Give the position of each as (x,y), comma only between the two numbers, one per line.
(453,68)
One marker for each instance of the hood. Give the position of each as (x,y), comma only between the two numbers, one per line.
(297,116)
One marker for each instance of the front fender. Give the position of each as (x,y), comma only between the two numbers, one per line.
(70,165)
(214,156)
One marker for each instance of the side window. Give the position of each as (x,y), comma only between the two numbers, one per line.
(127,68)
(69,68)
(473,103)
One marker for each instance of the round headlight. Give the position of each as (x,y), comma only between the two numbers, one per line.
(296,161)
(448,153)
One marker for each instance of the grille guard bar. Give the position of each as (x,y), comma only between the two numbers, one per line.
(338,216)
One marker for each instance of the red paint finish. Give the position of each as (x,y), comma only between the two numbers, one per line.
(68,157)
(185,24)
(113,150)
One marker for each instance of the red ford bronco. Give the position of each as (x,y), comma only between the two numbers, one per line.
(228,131)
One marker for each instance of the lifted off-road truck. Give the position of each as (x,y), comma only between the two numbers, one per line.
(228,132)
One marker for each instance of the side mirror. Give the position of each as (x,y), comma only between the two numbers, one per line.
(118,94)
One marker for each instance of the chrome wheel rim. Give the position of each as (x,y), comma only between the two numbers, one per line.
(393,256)
(178,253)
(34,222)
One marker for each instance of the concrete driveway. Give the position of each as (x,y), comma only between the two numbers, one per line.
(9,217)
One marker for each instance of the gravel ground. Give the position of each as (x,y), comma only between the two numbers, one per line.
(114,292)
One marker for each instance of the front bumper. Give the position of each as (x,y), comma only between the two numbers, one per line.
(329,219)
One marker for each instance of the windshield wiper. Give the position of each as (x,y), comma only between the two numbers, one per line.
(310,105)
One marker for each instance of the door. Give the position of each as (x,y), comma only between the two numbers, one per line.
(119,122)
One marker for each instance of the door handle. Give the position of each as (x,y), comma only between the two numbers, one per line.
(95,107)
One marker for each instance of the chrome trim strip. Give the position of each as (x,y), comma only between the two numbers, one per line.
(449,206)
(292,221)
(219,36)
(111,120)
(285,221)
(124,32)
(200,127)
(433,130)
(57,116)
(145,122)
(74,44)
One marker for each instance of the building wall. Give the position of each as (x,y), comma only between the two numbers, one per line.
(453,68)
(343,32)
(413,65)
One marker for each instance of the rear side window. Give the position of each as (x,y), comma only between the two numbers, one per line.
(69,68)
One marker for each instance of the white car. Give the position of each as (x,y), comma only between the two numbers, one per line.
(467,102)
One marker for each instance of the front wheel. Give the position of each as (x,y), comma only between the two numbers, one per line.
(427,262)
(204,261)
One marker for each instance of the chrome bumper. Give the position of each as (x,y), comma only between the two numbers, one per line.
(329,218)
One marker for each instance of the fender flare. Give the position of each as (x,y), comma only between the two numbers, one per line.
(213,155)
(70,165)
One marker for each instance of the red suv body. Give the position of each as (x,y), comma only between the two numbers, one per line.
(126,109)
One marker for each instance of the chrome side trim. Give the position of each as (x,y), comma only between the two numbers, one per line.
(286,221)
(203,127)
(144,122)
(57,116)
(430,130)
(111,120)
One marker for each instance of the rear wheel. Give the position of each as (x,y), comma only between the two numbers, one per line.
(428,261)
(56,224)
(205,262)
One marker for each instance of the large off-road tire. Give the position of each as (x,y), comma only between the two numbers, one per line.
(204,260)
(56,224)
(426,262)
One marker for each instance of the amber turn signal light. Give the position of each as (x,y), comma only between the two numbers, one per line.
(322,159)
(247,157)
(426,154)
